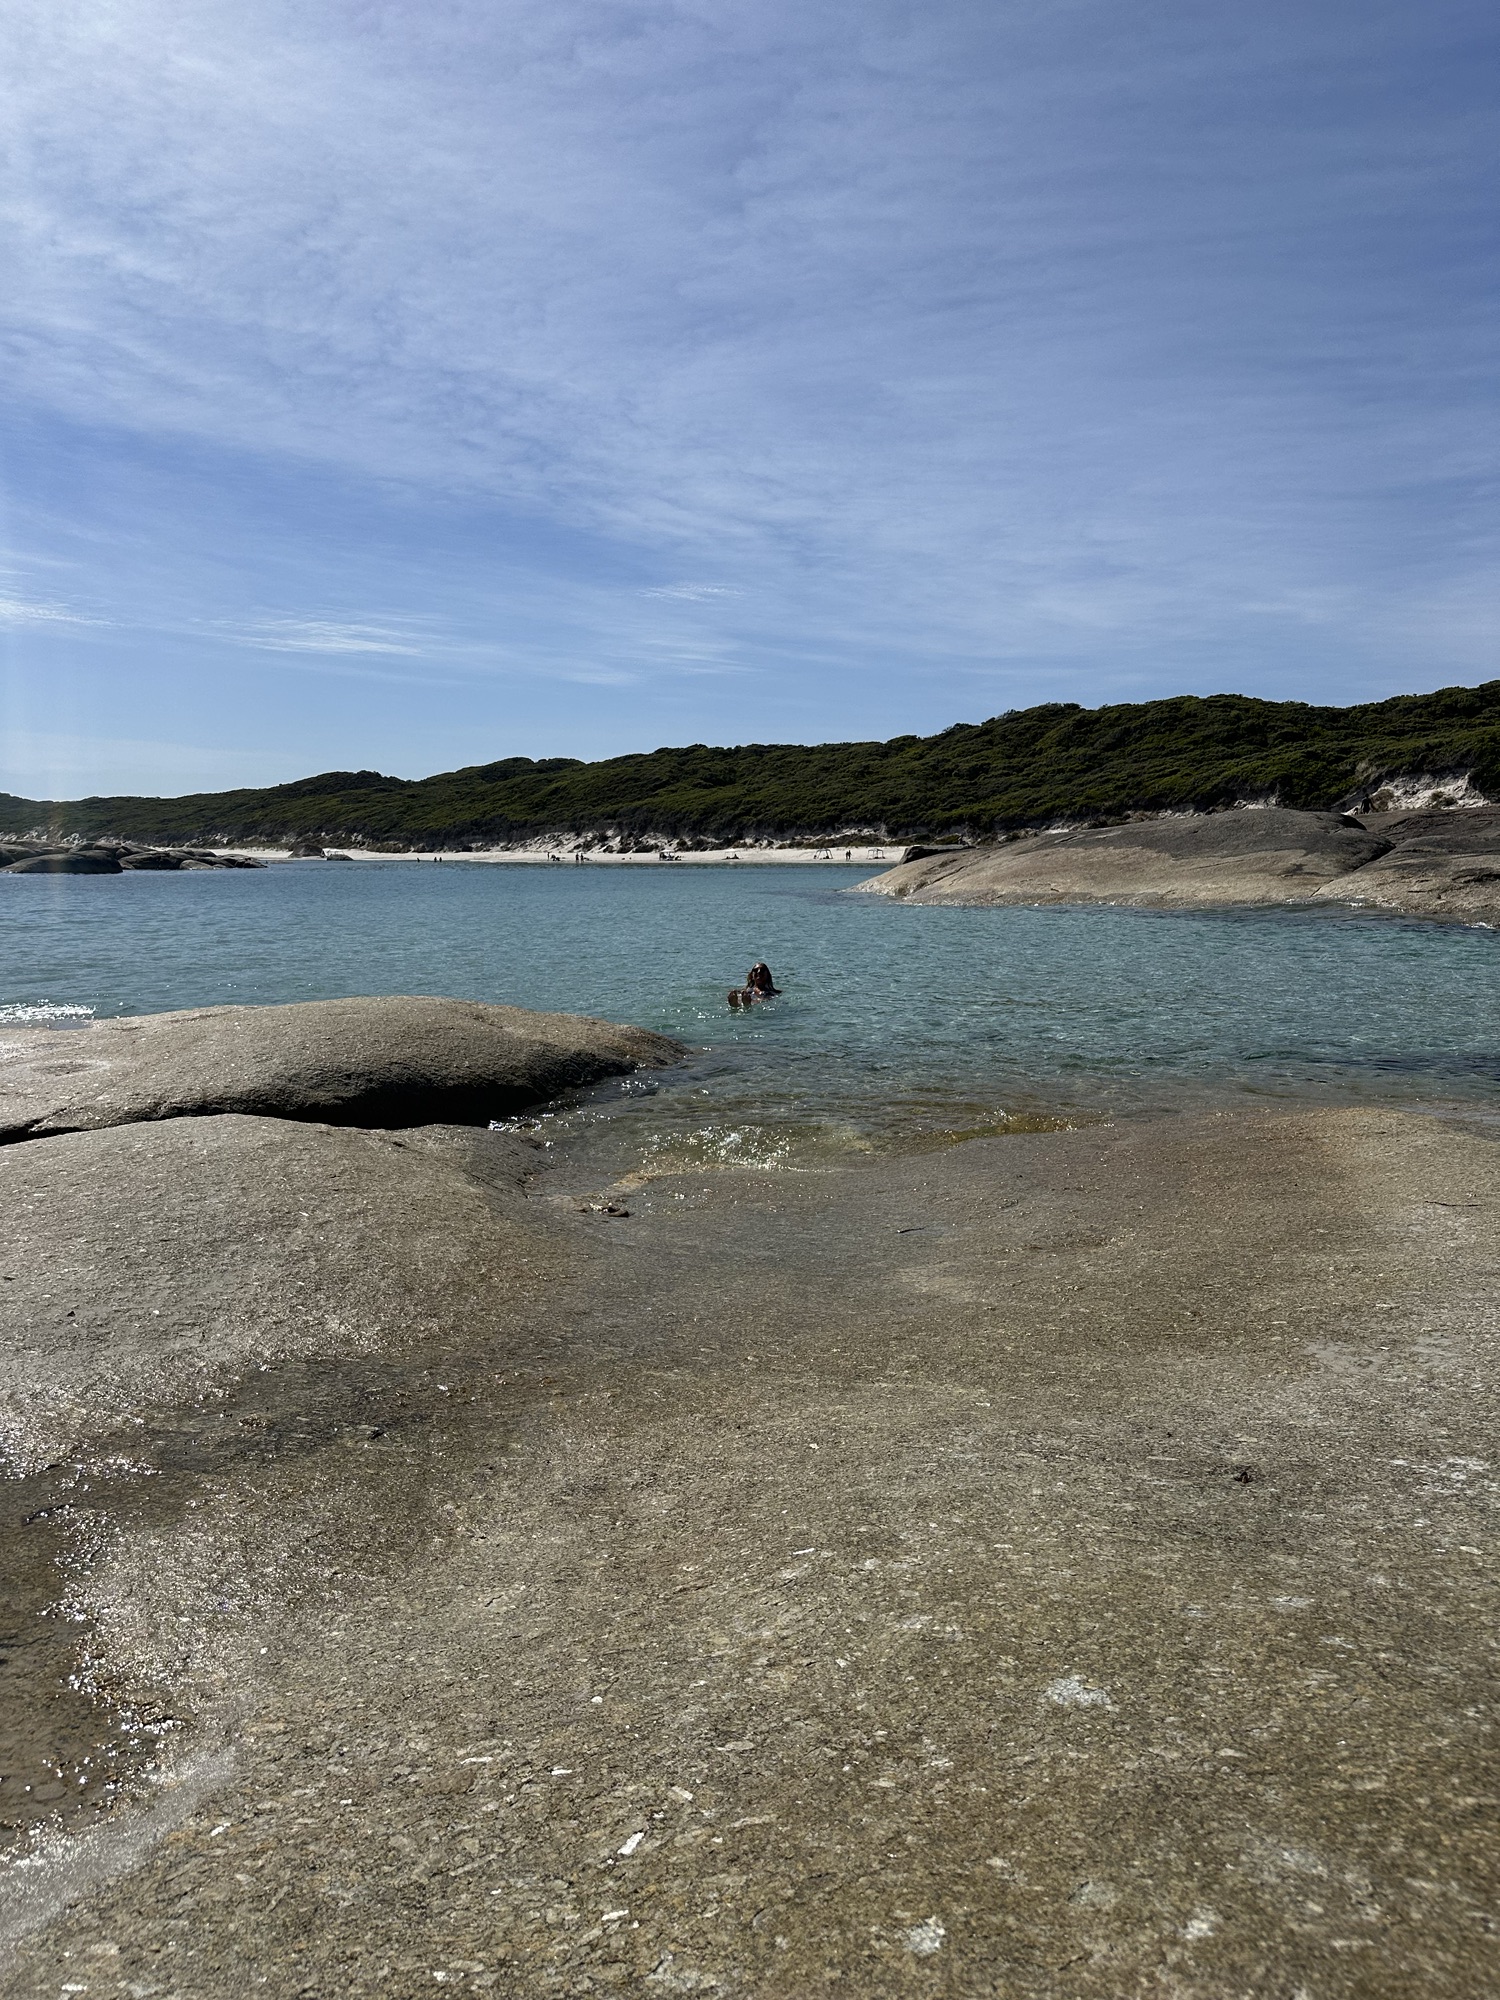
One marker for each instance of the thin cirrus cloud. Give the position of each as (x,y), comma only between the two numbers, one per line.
(977,355)
(21,613)
(327,636)
(689,593)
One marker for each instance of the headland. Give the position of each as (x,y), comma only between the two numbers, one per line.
(1420,864)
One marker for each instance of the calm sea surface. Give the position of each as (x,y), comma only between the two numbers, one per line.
(898,1025)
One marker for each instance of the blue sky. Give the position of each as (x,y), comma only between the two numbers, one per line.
(411,385)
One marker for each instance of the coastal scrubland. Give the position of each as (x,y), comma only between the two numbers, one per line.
(1027,768)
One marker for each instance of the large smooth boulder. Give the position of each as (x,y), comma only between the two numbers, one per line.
(372,1062)
(181,860)
(1266,855)
(68,861)
(148,1265)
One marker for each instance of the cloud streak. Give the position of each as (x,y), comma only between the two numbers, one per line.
(23,614)
(327,636)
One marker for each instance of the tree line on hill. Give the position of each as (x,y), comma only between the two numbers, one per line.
(1028,768)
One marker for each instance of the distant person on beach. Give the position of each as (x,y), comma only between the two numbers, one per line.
(759,985)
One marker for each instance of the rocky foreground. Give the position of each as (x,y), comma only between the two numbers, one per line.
(1431,864)
(1058,1566)
(192,1137)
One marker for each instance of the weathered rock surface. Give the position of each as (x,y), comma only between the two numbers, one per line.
(1054,1569)
(146,1265)
(373,1062)
(1440,864)
(944,851)
(68,861)
(1270,855)
(106,859)
(183,860)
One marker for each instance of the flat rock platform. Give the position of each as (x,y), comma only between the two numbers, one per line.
(1058,1567)
(1439,864)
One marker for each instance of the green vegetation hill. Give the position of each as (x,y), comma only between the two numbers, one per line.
(1023,769)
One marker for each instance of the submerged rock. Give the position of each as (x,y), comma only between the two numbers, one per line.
(372,1062)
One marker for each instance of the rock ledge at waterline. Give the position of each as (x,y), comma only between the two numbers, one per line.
(151,1265)
(1438,864)
(372,1062)
(190,1203)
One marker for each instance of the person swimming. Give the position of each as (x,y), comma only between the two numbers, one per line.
(759,985)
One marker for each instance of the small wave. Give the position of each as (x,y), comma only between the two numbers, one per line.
(43,1014)
(719,1146)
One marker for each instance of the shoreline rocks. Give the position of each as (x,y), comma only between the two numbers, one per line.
(110,858)
(1439,864)
(67,861)
(1444,865)
(384,1063)
(149,1265)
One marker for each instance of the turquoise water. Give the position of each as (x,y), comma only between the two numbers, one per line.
(896,1022)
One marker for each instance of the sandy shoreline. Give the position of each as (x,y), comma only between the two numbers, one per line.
(539,853)
(1055,1566)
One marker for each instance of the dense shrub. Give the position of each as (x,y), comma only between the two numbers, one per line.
(1026,768)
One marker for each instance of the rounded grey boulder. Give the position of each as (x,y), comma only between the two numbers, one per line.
(1269,855)
(372,1062)
(68,861)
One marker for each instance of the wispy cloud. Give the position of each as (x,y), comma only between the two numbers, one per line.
(19,611)
(326,635)
(691,593)
(1019,339)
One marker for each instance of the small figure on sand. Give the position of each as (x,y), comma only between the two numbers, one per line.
(759,985)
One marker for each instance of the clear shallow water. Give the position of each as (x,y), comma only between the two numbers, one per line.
(898,1024)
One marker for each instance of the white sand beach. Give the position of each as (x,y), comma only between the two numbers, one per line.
(572,852)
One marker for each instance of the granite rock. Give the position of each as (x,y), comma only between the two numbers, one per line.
(371,1062)
(1269,855)
(68,861)
(148,1265)
(1440,864)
